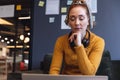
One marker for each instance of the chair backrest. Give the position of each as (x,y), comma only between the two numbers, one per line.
(46,63)
(105,67)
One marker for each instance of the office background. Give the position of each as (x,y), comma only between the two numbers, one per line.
(45,34)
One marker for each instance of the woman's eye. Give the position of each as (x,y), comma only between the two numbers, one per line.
(72,18)
(81,18)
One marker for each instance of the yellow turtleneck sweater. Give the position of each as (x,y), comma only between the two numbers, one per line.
(81,61)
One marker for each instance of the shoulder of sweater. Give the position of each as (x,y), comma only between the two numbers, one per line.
(62,37)
(94,37)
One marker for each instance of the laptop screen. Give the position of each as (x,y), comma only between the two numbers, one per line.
(31,76)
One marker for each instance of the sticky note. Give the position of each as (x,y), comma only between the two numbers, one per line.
(63,9)
(69,2)
(51,19)
(41,3)
(18,7)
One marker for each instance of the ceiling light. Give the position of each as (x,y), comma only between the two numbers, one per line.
(19,46)
(17,42)
(28,33)
(21,37)
(27,39)
(8,42)
(2,40)
(5,22)
(11,40)
(6,38)
(28,17)
(7,32)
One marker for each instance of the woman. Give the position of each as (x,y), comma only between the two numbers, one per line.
(79,52)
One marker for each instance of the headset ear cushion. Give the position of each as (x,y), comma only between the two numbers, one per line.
(85,42)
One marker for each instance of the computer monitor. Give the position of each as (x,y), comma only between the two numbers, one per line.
(31,76)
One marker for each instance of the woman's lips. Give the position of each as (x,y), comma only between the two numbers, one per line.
(78,28)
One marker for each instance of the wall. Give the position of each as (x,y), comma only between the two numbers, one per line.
(45,34)
(108,25)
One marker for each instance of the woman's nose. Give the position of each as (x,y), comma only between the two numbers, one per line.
(77,21)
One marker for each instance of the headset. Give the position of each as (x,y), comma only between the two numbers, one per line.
(80,2)
(85,41)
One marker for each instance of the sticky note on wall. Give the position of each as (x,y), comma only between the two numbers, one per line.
(41,3)
(51,19)
(63,9)
(18,7)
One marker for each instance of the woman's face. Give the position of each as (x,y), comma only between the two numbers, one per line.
(78,19)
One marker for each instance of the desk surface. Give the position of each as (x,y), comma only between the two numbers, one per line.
(29,76)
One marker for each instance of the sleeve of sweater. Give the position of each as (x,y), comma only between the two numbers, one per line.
(57,59)
(88,64)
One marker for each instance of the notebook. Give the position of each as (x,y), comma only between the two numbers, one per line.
(33,76)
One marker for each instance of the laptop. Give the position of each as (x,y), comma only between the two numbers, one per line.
(33,76)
